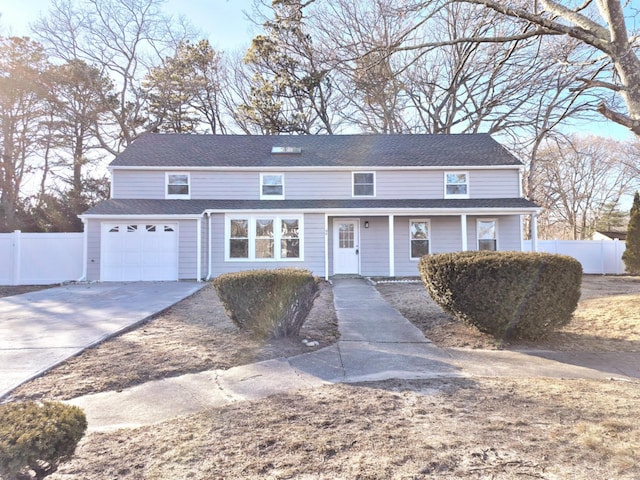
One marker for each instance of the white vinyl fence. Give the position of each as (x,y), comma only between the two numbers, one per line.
(40,258)
(596,256)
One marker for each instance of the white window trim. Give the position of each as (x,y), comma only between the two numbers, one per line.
(252,236)
(353,185)
(456,195)
(495,221)
(423,220)
(167,195)
(271,197)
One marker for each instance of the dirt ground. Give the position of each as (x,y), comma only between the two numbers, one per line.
(192,336)
(607,318)
(428,429)
(9,290)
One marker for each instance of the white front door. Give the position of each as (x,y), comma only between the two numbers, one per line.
(346,246)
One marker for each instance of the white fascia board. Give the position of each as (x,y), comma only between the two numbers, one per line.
(114,216)
(369,212)
(369,168)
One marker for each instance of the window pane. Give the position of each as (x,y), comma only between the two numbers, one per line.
(272,189)
(239,229)
(264,247)
(457,178)
(290,248)
(419,248)
(487,244)
(178,179)
(363,190)
(290,229)
(456,189)
(239,248)
(272,179)
(363,178)
(487,230)
(419,230)
(178,189)
(264,228)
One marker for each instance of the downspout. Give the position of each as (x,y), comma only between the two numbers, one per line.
(210,266)
(326,246)
(85,249)
(199,250)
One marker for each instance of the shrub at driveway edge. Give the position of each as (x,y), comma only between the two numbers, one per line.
(510,295)
(36,437)
(268,303)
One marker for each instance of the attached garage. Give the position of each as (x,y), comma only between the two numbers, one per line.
(139,252)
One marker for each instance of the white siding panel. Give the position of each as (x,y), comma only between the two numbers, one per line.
(187,249)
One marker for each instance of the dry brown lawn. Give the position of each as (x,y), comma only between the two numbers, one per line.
(607,318)
(478,428)
(10,290)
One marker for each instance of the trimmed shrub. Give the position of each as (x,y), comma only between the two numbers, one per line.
(510,295)
(36,437)
(268,303)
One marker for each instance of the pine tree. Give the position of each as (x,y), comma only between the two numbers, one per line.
(631,256)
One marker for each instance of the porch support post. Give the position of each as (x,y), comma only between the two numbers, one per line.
(326,246)
(534,232)
(392,258)
(199,250)
(463,231)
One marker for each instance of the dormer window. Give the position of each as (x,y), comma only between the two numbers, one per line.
(456,185)
(272,186)
(364,184)
(178,186)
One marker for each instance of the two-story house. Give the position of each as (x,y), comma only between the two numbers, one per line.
(196,206)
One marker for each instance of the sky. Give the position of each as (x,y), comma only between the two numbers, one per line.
(221,21)
(225,24)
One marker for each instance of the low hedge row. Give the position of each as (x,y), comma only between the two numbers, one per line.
(36,437)
(510,295)
(268,303)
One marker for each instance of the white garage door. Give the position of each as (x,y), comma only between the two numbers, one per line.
(139,251)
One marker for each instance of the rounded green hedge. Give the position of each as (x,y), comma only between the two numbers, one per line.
(36,437)
(268,303)
(510,295)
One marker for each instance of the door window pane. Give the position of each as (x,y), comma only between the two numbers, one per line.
(346,235)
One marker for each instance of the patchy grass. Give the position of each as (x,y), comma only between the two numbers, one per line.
(399,429)
(607,318)
(11,290)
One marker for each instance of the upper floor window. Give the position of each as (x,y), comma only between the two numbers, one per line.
(456,185)
(487,235)
(364,184)
(177,185)
(272,186)
(419,233)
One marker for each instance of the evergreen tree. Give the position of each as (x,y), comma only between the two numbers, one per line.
(631,256)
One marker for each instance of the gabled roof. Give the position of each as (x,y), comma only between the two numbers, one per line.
(183,150)
(198,207)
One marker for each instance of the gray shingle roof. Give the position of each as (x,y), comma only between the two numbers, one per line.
(175,150)
(197,207)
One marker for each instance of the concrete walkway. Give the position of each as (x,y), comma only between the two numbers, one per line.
(40,329)
(376,343)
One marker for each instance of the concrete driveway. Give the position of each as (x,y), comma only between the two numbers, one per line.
(38,330)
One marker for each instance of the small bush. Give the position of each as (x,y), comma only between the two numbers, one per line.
(269,303)
(510,295)
(35,438)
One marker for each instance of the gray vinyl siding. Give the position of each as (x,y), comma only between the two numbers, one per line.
(307,185)
(187,249)
(93,250)
(374,246)
(313,231)
(149,184)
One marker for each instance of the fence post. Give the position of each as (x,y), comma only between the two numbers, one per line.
(16,257)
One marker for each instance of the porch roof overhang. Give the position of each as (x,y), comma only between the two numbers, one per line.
(162,208)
